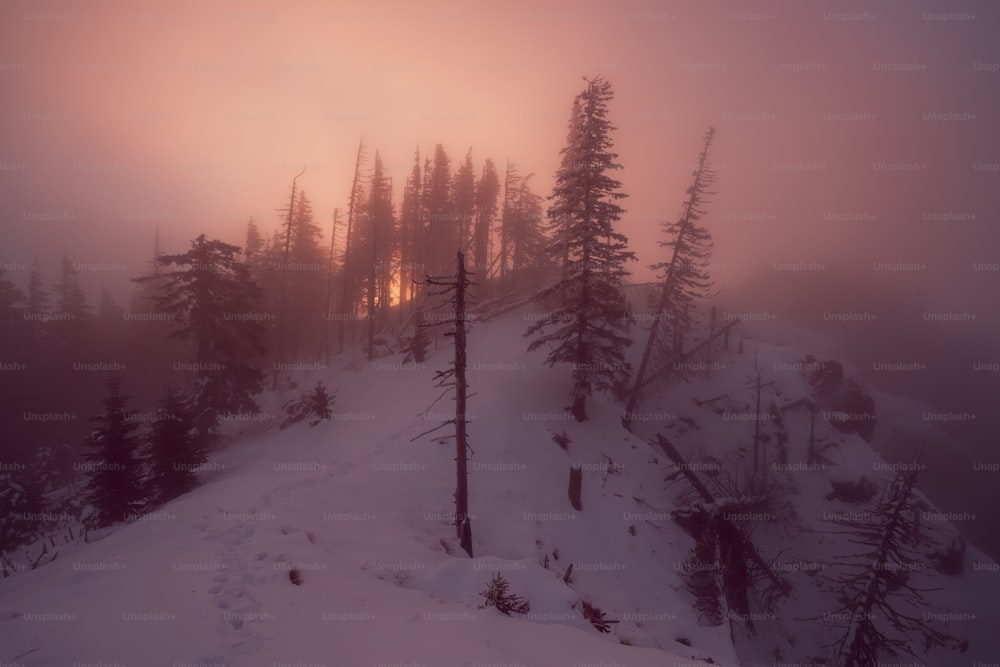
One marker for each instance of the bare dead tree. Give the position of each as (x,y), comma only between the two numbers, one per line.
(454,377)
(880,612)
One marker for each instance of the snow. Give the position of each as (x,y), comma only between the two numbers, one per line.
(362,512)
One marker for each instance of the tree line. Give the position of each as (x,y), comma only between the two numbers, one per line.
(238,315)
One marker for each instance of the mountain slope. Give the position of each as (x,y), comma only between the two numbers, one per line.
(361,511)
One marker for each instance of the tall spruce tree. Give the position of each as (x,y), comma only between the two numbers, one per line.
(442,228)
(352,273)
(214,304)
(376,242)
(73,320)
(486,210)
(115,486)
(508,220)
(588,326)
(175,453)
(464,201)
(525,236)
(411,235)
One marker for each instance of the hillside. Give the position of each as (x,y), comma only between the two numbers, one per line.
(360,510)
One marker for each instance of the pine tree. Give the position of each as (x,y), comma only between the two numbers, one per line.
(38,298)
(685,277)
(591,316)
(376,241)
(73,320)
(115,485)
(212,299)
(442,230)
(111,325)
(254,244)
(464,201)
(526,239)
(175,453)
(883,611)
(411,235)
(306,271)
(486,210)
(12,310)
(354,262)
(282,264)
(508,220)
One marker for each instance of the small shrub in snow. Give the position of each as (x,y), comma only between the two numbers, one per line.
(951,560)
(855,493)
(596,617)
(561,439)
(315,404)
(498,595)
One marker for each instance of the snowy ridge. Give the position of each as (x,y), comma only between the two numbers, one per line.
(361,514)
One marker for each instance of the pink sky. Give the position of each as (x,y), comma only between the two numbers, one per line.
(198,114)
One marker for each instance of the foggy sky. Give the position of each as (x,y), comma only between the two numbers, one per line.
(116,116)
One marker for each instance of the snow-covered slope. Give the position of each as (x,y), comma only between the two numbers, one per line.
(361,511)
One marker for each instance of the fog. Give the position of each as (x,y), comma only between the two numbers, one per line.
(857,147)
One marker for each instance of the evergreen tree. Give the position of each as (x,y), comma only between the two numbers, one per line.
(526,239)
(354,261)
(884,612)
(305,276)
(70,299)
(212,300)
(685,277)
(376,240)
(486,210)
(464,201)
(115,486)
(174,450)
(254,246)
(37,297)
(411,235)
(442,231)
(111,325)
(508,220)
(12,310)
(73,320)
(588,326)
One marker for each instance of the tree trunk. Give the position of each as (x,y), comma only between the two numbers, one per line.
(325,331)
(576,487)
(348,268)
(282,310)
(462,521)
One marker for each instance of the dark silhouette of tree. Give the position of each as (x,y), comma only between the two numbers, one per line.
(351,276)
(463,200)
(411,236)
(880,612)
(486,210)
(442,228)
(214,303)
(115,487)
(455,377)
(375,239)
(589,324)
(526,240)
(175,454)
(685,277)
